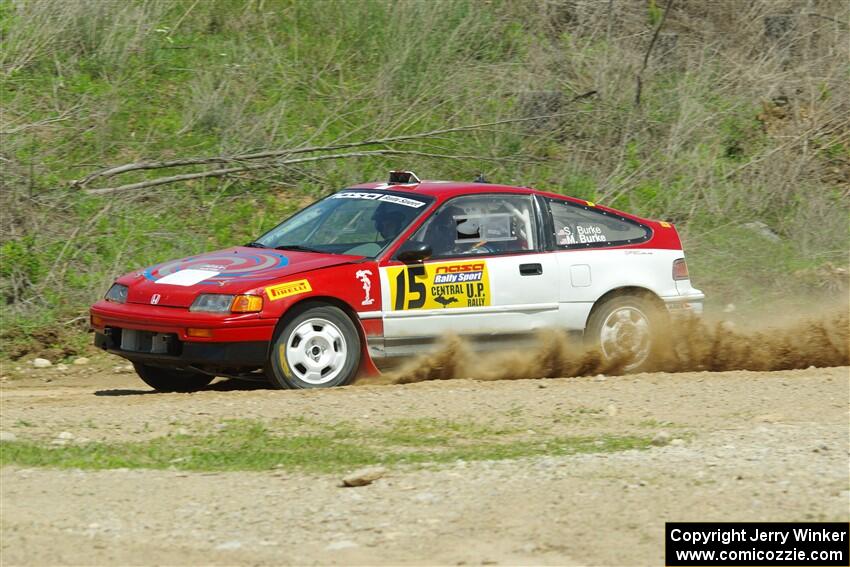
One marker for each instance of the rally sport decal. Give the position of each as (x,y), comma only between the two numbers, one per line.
(442,285)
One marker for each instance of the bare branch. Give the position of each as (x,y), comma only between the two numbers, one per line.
(841,23)
(64,116)
(649,50)
(280,163)
(310,149)
(183,17)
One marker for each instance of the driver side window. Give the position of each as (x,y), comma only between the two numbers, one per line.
(480,224)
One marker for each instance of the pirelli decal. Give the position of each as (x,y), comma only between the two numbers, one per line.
(441,285)
(288,289)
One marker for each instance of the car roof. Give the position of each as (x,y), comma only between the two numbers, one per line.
(447,189)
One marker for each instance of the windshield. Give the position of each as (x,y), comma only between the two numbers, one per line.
(360,223)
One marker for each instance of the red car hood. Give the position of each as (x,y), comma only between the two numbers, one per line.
(235,270)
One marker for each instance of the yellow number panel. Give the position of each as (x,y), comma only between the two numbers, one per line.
(441,285)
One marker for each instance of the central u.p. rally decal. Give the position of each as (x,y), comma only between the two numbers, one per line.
(441,285)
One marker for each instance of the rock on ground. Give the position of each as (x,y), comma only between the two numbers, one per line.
(362,477)
(661,438)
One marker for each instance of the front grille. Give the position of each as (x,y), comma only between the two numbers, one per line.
(147,342)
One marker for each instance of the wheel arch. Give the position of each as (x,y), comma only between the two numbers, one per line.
(625,291)
(367,365)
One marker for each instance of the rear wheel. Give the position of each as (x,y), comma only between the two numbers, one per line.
(319,347)
(171,379)
(626,330)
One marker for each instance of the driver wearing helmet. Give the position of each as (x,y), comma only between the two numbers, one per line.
(390,219)
(443,230)
(452,232)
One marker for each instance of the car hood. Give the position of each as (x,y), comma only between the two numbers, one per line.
(234,270)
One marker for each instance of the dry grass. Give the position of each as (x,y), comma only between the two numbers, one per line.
(743,117)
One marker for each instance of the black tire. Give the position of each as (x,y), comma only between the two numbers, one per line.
(318,346)
(171,379)
(626,329)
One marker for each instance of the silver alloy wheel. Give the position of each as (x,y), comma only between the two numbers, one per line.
(626,333)
(316,351)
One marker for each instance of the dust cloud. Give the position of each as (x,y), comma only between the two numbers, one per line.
(685,345)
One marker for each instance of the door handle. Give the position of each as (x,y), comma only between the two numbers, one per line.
(530,269)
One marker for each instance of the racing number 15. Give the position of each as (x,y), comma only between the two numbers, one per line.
(412,287)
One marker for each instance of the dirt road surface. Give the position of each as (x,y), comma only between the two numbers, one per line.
(769,446)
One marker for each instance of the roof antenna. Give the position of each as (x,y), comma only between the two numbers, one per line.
(480,179)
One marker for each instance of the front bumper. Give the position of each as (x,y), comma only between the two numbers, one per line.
(160,336)
(178,354)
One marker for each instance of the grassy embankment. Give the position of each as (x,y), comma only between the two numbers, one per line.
(743,118)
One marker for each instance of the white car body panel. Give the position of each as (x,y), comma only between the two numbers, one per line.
(587,275)
(518,294)
(562,296)
(518,303)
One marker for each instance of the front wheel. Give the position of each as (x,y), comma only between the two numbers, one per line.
(171,379)
(319,347)
(626,330)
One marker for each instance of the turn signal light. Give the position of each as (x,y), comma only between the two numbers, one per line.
(202,333)
(96,321)
(246,304)
(680,269)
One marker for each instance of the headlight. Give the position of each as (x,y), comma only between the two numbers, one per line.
(117,293)
(219,303)
(214,303)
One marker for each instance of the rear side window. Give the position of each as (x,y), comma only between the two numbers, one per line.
(577,226)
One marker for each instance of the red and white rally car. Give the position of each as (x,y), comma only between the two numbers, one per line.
(380,271)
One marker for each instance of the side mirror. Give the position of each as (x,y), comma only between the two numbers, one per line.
(413,252)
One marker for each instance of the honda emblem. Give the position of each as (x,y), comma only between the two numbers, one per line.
(155,299)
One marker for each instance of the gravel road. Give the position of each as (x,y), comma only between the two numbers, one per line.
(753,446)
